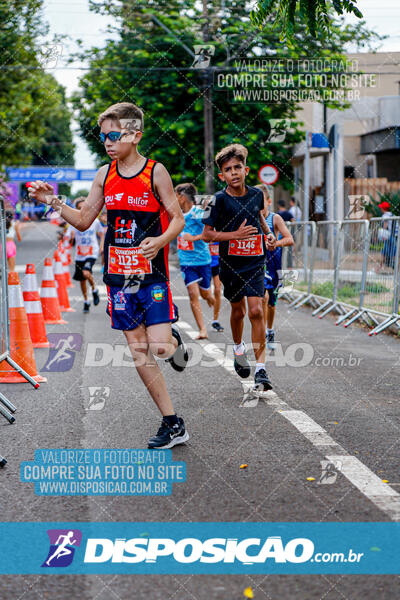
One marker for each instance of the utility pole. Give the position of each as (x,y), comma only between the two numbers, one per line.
(207,98)
(208,111)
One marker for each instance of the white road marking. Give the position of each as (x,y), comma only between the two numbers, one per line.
(359,475)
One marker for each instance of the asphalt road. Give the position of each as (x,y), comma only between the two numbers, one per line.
(340,380)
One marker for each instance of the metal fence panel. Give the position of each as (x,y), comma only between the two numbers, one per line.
(299,257)
(380,288)
(353,256)
(325,262)
(350,266)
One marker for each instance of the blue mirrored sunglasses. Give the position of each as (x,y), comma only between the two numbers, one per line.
(113,136)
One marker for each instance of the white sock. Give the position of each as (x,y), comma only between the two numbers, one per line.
(270,330)
(215,321)
(259,366)
(239,348)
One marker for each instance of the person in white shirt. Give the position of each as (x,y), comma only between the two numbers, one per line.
(86,252)
(295,210)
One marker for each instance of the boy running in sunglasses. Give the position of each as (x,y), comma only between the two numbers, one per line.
(143,216)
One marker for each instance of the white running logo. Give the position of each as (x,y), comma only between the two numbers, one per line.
(62,550)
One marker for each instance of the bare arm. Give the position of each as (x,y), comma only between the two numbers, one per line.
(18,230)
(286,239)
(192,238)
(90,208)
(165,191)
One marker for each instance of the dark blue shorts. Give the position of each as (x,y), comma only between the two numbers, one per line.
(150,305)
(272,284)
(200,274)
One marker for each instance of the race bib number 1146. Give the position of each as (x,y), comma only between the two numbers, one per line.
(251,246)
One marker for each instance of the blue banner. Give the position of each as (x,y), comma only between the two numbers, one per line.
(200,548)
(102,471)
(60,174)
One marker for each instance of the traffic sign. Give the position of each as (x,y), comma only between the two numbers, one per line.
(268,174)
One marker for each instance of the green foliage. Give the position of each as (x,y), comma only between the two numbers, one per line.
(315,14)
(372,206)
(80,192)
(347,291)
(32,104)
(150,67)
(57,147)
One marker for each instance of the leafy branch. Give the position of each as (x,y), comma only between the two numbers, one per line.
(315,14)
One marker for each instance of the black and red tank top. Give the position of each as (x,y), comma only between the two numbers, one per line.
(134,212)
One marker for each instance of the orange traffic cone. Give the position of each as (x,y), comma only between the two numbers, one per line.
(66,247)
(62,291)
(65,263)
(21,349)
(68,250)
(48,295)
(54,218)
(33,308)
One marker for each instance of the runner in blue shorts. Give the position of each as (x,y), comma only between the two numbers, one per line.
(273,266)
(143,217)
(194,255)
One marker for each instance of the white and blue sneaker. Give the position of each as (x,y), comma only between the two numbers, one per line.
(168,436)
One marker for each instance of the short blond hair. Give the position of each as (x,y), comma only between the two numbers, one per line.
(232,151)
(266,189)
(124,111)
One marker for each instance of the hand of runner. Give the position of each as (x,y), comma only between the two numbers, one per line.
(271,242)
(42,191)
(150,247)
(188,237)
(245,231)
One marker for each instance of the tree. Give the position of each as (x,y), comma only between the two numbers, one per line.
(315,14)
(32,103)
(150,67)
(57,147)
(79,193)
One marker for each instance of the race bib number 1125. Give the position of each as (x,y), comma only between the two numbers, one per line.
(127,261)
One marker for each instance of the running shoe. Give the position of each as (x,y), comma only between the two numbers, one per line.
(217,326)
(179,359)
(167,436)
(175,316)
(261,381)
(241,364)
(270,337)
(96,297)
(86,307)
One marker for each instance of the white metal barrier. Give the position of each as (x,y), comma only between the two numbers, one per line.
(351,266)
(300,258)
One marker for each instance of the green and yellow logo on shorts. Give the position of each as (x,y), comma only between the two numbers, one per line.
(158,293)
